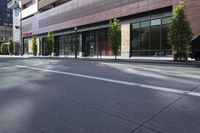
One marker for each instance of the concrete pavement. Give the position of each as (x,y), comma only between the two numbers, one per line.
(40,96)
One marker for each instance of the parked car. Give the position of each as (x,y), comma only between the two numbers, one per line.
(195,48)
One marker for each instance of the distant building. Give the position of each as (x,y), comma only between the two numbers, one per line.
(5,21)
(16,26)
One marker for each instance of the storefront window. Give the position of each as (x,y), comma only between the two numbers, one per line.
(149,37)
(136,39)
(96,43)
(66,44)
(166,48)
(145,32)
(155,38)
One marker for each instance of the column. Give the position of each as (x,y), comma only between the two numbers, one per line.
(125,39)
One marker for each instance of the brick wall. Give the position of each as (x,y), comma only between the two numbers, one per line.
(193,15)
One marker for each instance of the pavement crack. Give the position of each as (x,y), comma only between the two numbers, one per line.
(152,117)
(195,88)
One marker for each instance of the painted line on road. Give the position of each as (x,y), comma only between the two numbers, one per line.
(116,81)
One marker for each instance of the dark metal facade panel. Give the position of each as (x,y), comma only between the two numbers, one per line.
(27,27)
(83,12)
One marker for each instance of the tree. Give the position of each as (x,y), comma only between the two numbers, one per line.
(114,35)
(4,49)
(50,43)
(34,46)
(0,47)
(180,32)
(10,47)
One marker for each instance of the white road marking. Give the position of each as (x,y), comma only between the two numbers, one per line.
(116,81)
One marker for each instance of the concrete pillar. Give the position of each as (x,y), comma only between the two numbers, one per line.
(80,45)
(30,44)
(125,39)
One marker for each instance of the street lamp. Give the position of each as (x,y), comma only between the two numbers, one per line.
(15,5)
(76,45)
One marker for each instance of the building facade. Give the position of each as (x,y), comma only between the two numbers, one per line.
(16,26)
(5,21)
(82,25)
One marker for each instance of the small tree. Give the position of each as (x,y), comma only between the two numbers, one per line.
(180,32)
(114,35)
(0,47)
(50,43)
(10,47)
(34,46)
(4,49)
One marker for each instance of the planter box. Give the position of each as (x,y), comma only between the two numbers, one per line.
(180,57)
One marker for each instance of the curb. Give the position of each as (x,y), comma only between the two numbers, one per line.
(147,61)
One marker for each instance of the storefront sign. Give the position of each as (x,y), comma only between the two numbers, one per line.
(26,34)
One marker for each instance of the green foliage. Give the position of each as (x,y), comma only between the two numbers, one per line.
(0,47)
(49,43)
(115,35)
(4,49)
(10,47)
(72,45)
(180,32)
(34,46)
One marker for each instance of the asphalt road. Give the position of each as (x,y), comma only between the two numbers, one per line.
(83,96)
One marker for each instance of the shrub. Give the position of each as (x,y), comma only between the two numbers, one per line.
(180,32)
(0,47)
(4,49)
(34,46)
(114,35)
(10,47)
(49,43)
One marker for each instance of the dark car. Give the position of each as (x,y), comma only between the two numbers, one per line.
(195,48)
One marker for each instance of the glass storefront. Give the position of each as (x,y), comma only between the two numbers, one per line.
(96,43)
(66,44)
(25,46)
(149,37)
(63,45)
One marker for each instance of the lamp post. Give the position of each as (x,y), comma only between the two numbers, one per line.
(76,45)
(21,37)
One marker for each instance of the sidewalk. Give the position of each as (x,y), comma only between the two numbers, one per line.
(157,60)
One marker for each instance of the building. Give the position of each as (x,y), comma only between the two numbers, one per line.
(16,25)
(5,21)
(84,23)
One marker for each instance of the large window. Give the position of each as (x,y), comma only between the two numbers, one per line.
(144,38)
(166,48)
(66,44)
(149,37)
(96,43)
(136,39)
(155,38)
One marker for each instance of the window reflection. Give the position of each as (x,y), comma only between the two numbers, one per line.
(149,37)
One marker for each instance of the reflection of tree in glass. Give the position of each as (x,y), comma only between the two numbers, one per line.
(145,38)
(135,43)
(88,47)
(71,45)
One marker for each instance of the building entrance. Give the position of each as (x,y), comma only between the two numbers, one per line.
(96,43)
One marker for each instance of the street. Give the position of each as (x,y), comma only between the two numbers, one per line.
(90,96)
